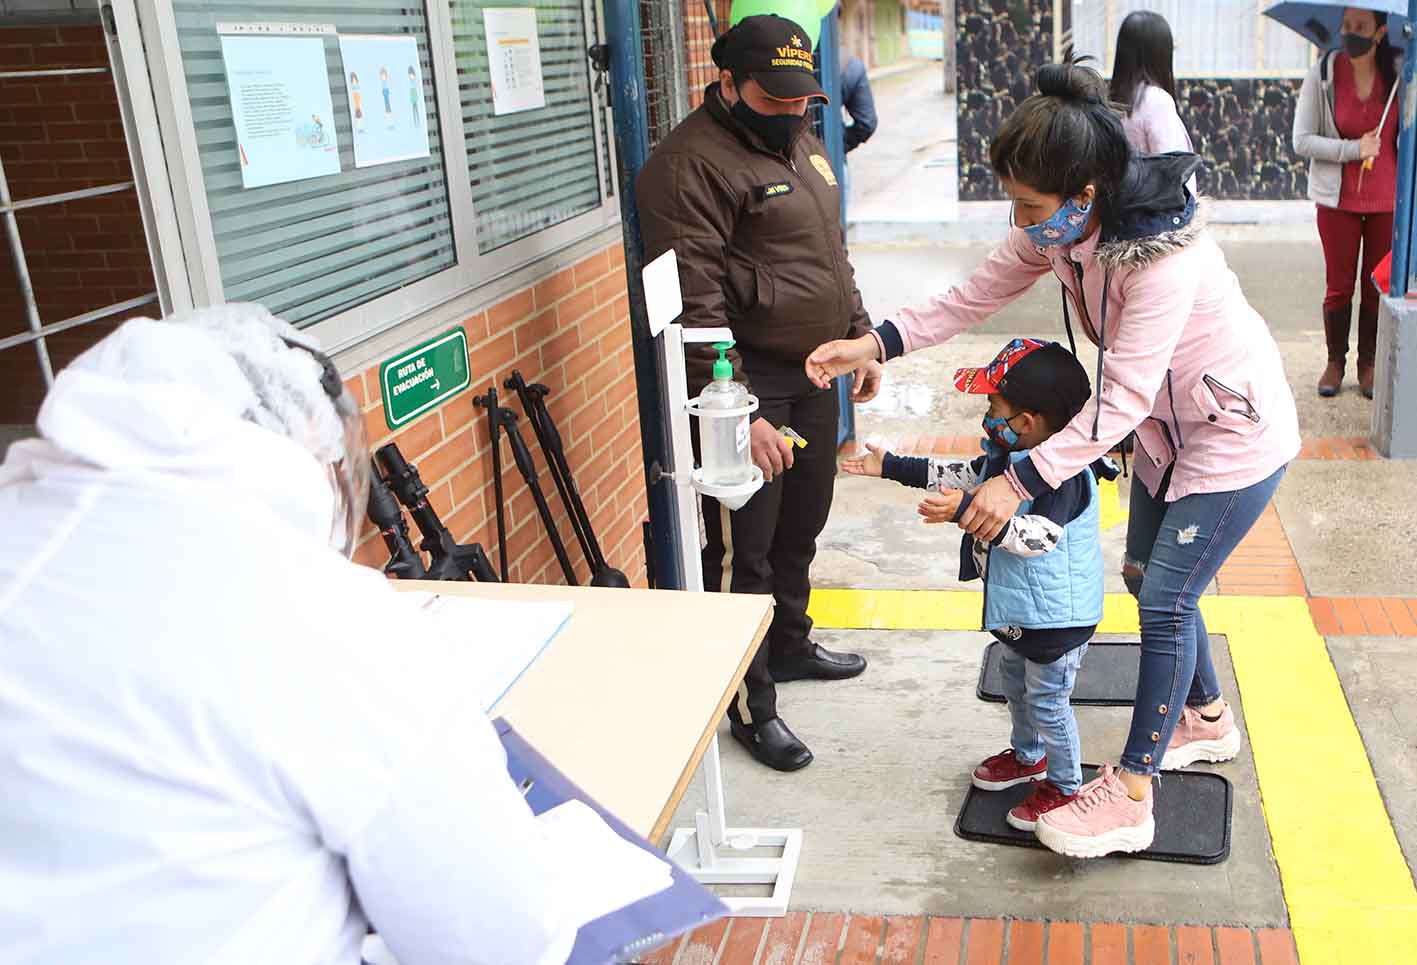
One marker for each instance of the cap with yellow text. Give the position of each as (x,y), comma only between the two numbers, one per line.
(773,51)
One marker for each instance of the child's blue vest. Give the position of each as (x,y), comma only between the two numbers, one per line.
(1058,589)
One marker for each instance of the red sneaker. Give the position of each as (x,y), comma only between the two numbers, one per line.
(1004,771)
(1044,798)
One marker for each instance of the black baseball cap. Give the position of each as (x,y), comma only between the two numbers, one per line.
(773,51)
(1035,376)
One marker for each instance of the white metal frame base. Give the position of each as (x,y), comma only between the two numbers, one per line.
(700,851)
(705,851)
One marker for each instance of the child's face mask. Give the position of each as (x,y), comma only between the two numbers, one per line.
(999,431)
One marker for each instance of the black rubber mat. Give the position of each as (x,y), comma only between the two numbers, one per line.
(1107,678)
(1192,818)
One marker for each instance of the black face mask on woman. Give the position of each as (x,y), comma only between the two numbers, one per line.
(776,130)
(1356,45)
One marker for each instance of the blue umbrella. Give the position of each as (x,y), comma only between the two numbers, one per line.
(1322,22)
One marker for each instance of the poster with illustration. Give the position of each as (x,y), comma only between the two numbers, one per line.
(384,81)
(281,108)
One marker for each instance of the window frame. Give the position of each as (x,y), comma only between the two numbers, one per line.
(178,168)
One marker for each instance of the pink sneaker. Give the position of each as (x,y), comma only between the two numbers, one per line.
(1197,739)
(1102,819)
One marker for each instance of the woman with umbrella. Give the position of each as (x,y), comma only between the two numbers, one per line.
(1343,126)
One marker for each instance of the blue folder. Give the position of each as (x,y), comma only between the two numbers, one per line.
(633,931)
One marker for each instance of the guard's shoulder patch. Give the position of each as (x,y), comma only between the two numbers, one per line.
(777,189)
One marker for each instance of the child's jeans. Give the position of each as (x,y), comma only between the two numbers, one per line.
(1038,696)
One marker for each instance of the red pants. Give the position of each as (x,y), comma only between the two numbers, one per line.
(1342,233)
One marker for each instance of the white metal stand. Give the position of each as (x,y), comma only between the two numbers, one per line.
(706,849)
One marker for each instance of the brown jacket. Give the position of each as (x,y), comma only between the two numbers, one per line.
(758,238)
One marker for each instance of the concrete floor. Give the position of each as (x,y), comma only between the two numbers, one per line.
(893,753)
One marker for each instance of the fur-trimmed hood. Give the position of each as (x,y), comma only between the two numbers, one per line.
(1155,213)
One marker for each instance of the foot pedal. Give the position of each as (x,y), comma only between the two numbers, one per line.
(1193,811)
(1107,677)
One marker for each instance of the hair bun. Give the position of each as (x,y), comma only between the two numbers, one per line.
(1072,81)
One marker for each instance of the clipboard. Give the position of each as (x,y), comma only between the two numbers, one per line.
(637,929)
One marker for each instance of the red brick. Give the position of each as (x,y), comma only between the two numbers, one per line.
(1350,618)
(493,358)
(863,941)
(1277,946)
(701,947)
(591,269)
(1402,620)
(536,329)
(566,340)
(1065,943)
(784,935)
(1151,945)
(664,955)
(1343,448)
(553,289)
(1236,946)
(504,314)
(417,438)
(1375,617)
(371,553)
(375,428)
(902,942)
(617,256)
(744,937)
(985,941)
(577,305)
(1026,943)
(823,939)
(608,289)
(1109,945)
(1308,450)
(1194,946)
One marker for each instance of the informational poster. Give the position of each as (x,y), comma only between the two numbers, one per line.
(281,107)
(514,52)
(384,81)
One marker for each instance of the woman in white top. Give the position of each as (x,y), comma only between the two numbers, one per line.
(1144,85)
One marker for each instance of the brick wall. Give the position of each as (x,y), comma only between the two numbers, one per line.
(571,331)
(698,44)
(60,134)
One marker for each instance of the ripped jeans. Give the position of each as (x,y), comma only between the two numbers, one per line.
(1174,551)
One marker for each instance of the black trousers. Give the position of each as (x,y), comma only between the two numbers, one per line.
(767,545)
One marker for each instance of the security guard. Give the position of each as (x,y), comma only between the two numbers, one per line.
(745,196)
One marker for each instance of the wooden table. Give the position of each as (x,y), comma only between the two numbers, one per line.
(627,697)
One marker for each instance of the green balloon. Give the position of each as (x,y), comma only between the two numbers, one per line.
(807,14)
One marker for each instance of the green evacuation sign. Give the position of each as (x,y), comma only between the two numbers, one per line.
(424,377)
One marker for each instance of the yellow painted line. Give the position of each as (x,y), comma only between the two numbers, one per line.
(1109,505)
(1349,892)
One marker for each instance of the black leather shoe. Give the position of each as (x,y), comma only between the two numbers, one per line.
(818,663)
(772,744)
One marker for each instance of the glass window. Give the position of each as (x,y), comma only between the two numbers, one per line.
(535,168)
(311,249)
(1214,38)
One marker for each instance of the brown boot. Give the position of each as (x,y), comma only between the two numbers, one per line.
(1367,347)
(1337,322)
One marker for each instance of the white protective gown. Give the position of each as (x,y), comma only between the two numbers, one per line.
(220,741)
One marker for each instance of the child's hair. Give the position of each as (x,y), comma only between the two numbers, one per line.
(1145,51)
(1064,137)
(1049,381)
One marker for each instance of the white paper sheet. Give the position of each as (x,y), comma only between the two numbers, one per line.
(514,55)
(510,633)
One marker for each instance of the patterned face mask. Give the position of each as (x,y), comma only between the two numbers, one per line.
(1063,227)
(1000,432)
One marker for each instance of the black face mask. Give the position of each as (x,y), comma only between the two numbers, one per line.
(776,130)
(1356,45)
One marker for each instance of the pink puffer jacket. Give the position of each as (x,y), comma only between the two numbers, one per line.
(1188,364)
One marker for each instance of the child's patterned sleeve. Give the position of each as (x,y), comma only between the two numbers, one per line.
(1030,536)
(954,474)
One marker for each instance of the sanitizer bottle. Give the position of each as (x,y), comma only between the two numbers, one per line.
(724,441)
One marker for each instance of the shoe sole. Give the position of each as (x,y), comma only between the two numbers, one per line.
(791,677)
(1226,748)
(1120,840)
(984,785)
(1019,823)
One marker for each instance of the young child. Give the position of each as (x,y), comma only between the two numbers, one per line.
(1043,592)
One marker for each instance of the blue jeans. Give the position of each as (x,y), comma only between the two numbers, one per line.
(1174,551)
(1038,696)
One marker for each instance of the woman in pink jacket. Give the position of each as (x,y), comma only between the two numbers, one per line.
(1186,366)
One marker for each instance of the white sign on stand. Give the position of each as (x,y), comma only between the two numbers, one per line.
(664,299)
(514,53)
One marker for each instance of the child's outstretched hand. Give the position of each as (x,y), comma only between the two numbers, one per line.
(940,507)
(867,465)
